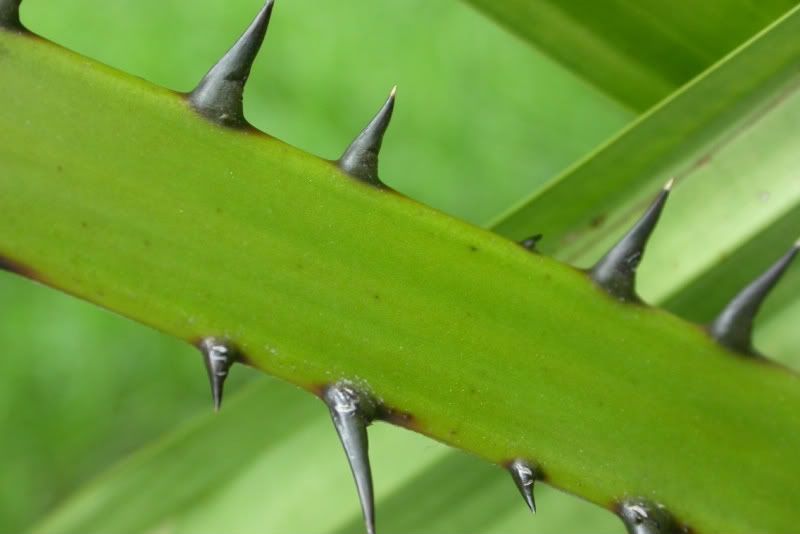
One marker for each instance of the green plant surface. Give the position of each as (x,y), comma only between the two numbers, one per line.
(546,418)
(710,135)
(128,384)
(639,52)
(440,156)
(464,494)
(270,491)
(460,493)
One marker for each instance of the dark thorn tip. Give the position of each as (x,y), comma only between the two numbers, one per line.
(218,356)
(360,160)
(733,327)
(9,14)
(351,412)
(531,242)
(524,476)
(644,517)
(219,94)
(616,271)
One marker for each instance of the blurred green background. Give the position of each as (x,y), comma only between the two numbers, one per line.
(482,119)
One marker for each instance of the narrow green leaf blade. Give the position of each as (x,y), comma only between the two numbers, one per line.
(641,51)
(728,137)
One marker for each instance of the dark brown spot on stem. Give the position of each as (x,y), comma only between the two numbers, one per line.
(598,220)
(12,266)
(397,417)
(318,389)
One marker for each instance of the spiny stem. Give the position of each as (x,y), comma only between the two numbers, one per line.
(524,476)
(531,242)
(616,271)
(351,412)
(644,517)
(733,327)
(218,355)
(360,160)
(219,94)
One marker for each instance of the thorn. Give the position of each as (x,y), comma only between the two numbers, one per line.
(616,271)
(218,355)
(360,160)
(733,327)
(669,184)
(524,477)
(219,94)
(9,14)
(351,413)
(531,242)
(643,517)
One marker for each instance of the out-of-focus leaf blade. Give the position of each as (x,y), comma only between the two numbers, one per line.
(641,51)
(730,137)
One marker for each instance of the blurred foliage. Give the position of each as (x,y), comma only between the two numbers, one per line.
(481,120)
(641,51)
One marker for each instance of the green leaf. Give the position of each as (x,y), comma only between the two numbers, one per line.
(639,52)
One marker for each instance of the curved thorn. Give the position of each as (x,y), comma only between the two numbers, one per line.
(524,477)
(531,242)
(9,14)
(733,327)
(218,96)
(360,160)
(616,271)
(351,413)
(218,356)
(643,517)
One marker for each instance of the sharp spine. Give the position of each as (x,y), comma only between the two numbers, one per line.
(9,14)
(531,242)
(360,160)
(351,413)
(616,271)
(524,476)
(733,327)
(219,94)
(218,356)
(643,517)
